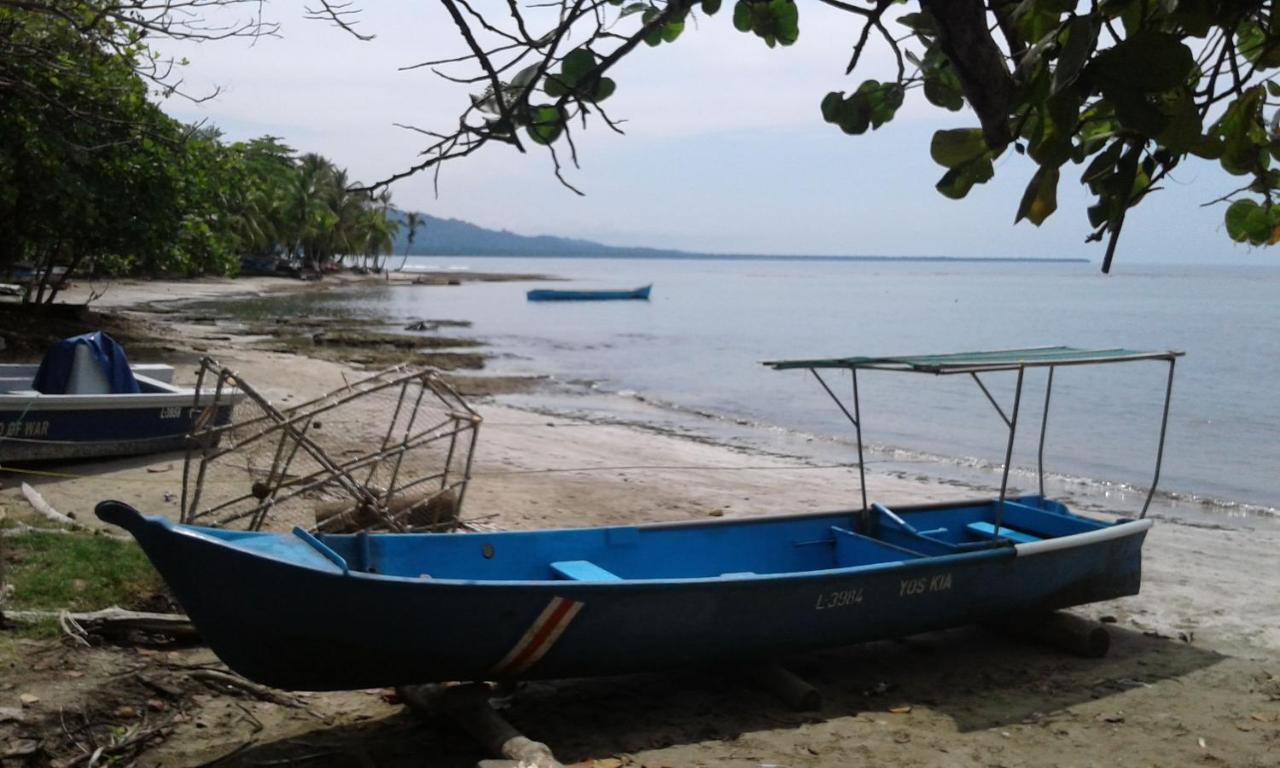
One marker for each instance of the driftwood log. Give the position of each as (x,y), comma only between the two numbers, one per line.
(468,707)
(46,509)
(114,622)
(226,680)
(793,690)
(1064,631)
(418,509)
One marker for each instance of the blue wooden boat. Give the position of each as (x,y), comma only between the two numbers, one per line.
(87,401)
(301,611)
(554,294)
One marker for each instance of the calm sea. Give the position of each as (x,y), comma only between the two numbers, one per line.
(694,352)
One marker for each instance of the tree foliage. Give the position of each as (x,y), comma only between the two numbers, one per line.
(123,30)
(1125,90)
(95,177)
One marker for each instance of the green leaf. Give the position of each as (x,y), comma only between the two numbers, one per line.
(1236,219)
(941,83)
(775,21)
(1183,129)
(1133,74)
(1041,197)
(882,100)
(1078,37)
(1242,132)
(958,146)
(1146,61)
(957,182)
(1051,143)
(1103,165)
(575,77)
(967,157)
(1257,225)
(1033,19)
(921,23)
(546,123)
(577,63)
(1196,17)
(525,76)
(672,29)
(1135,111)
(654,36)
(831,106)
(604,89)
(1258,45)
(710,7)
(786,17)
(854,114)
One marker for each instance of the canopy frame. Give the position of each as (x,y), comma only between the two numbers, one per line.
(973,363)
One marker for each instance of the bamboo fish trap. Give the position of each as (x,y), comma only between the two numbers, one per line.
(388,452)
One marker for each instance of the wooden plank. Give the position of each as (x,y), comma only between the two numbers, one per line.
(987,530)
(582,570)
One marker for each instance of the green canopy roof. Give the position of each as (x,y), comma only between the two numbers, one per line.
(977,362)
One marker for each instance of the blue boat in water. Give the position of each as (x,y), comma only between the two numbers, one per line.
(320,612)
(85,400)
(554,294)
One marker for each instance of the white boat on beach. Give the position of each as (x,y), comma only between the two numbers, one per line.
(86,401)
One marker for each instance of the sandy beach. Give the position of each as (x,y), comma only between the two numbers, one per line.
(1193,676)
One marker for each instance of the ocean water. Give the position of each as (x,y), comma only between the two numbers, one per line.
(693,354)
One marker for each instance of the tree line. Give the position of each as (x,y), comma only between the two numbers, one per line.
(96,179)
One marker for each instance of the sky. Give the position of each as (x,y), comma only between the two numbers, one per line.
(725,147)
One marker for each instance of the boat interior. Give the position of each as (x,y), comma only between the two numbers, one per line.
(722,549)
(86,379)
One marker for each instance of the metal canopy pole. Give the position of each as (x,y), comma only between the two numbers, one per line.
(856,421)
(865,521)
(1008,452)
(1164,423)
(991,399)
(1044,424)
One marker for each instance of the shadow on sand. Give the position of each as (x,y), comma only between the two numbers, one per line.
(977,678)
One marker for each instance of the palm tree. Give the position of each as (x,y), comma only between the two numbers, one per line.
(377,234)
(412,221)
(309,219)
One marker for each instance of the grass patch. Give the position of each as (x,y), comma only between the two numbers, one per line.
(76,572)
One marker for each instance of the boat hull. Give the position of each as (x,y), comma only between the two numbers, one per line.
(318,626)
(551,294)
(114,429)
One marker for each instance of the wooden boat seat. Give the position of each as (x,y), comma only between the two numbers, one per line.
(988,531)
(582,570)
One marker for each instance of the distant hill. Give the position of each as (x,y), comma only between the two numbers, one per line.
(451,237)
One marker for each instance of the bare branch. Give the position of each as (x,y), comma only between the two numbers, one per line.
(340,14)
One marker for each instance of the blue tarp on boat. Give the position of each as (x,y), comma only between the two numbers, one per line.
(59,362)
